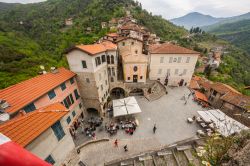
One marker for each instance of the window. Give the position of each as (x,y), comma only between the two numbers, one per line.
(74,113)
(72,80)
(84,64)
(58,130)
(109,71)
(80,105)
(179,60)
(87,80)
(159,71)
(97,61)
(128,78)
(188,59)
(123,43)
(71,99)
(76,94)
(132,43)
(141,77)
(50,160)
(184,72)
(175,60)
(168,71)
(136,51)
(68,120)
(161,59)
(113,71)
(170,59)
(51,94)
(63,86)
(112,79)
(112,59)
(176,71)
(102,99)
(101,87)
(135,68)
(108,59)
(103,58)
(29,108)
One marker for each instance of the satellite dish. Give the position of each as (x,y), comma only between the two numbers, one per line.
(4,117)
(42,67)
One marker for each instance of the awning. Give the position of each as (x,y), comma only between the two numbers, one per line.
(126,106)
(224,124)
(200,96)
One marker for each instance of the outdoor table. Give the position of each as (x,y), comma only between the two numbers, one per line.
(189,120)
(199,120)
(203,125)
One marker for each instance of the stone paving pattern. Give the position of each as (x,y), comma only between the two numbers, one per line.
(170,115)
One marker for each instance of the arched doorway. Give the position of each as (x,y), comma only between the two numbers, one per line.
(92,111)
(117,93)
(136,92)
(181,82)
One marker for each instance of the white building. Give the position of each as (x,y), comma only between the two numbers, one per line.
(172,64)
(43,132)
(95,65)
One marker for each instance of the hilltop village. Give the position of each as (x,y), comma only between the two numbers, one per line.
(43,114)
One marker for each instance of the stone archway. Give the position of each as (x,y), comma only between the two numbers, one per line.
(136,92)
(117,93)
(92,111)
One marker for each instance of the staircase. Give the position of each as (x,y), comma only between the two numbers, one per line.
(157,91)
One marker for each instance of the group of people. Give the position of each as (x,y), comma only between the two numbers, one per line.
(128,126)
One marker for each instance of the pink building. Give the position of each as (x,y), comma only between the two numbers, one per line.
(57,86)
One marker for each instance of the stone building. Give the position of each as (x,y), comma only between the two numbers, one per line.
(43,132)
(95,66)
(134,62)
(172,64)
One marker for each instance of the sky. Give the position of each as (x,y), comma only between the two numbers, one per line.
(175,8)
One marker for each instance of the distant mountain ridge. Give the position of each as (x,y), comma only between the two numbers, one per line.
(195,19)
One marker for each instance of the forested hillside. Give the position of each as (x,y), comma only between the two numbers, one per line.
(42,25)
(237,33)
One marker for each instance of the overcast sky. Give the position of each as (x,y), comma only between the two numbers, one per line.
(176,8)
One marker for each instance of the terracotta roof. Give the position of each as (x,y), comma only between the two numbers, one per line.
(223,88)
(200,96)
(24,93)
(204,84)
(194,84)
(133,27)
(168,48)
(236,99)
(113,35)
(94,49)
(23,130)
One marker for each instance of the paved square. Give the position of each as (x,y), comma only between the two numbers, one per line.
(170,115)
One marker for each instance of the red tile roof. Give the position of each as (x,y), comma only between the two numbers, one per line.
(23,130)
(112,35)
(223,88)
(94,49)
(200,96)
(168,48)
(194,84)
(236,99)
(20,95)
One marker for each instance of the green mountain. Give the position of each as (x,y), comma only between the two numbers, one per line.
(237,33)
(195,19)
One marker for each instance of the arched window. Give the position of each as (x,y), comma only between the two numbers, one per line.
(112,79)
(108,59)
(112,59)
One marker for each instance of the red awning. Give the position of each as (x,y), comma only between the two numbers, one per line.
(200,96)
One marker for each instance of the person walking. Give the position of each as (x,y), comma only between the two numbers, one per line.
(154,128)
(116,143)
(125,148)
